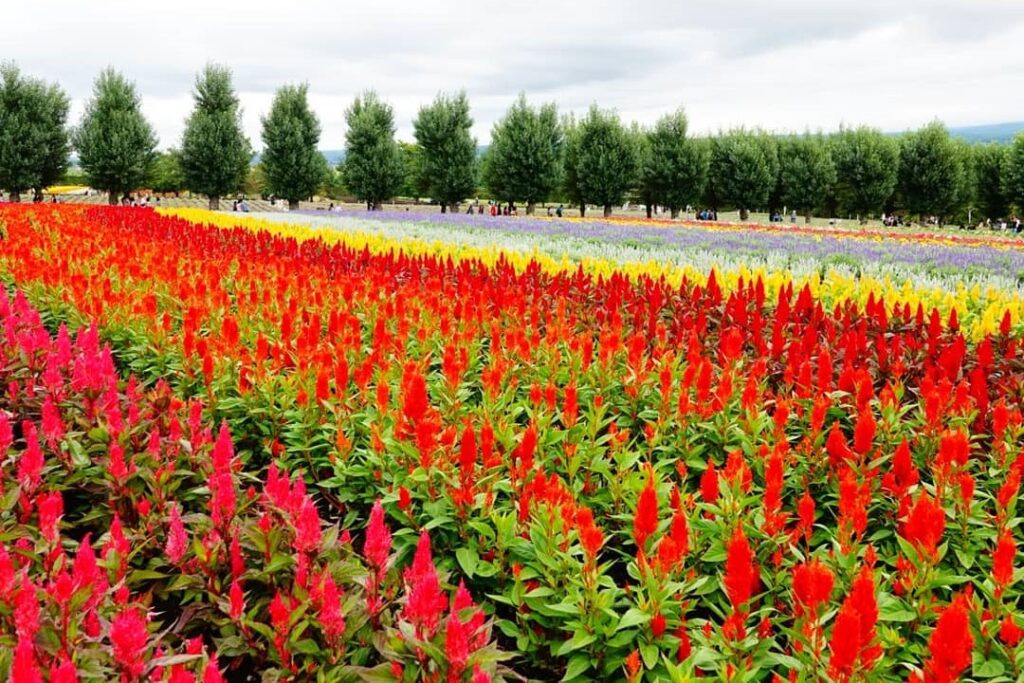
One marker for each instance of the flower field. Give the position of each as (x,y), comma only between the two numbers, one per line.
(443,449)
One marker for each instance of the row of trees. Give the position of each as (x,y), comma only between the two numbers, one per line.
(534,156)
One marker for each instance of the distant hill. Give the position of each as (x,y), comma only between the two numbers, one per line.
(994,132)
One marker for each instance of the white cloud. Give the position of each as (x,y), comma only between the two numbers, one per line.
(786,64)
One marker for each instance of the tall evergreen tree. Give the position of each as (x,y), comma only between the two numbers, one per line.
(744,168)
(292,164)
(373,160)
(676,167)
(116,144)
(570,155)
(524,160)
(807,172)
(866,167)
(34,139)
(1013,172)
(442,132)
(215,154)
(606,159)
(931,176)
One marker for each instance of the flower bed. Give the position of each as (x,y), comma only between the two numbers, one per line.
(635,476)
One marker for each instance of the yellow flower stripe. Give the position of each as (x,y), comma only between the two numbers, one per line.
(980,311)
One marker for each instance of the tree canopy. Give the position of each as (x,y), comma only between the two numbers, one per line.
(807,172)
(215,154)
(866,168)
(524,160)
(116,144)
(293,166)
(448,149)
(373,168)
(744,166)
(606,159)
(34,139)
(674,167)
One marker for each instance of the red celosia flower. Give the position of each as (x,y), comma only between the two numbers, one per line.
(864,432)
(212,673)
(657,624)
(479,675)
(128,637)
(456,647)
(24,668)
(709,484)
(30,463)
(645,519)
(740,574)
(377,545)
(177,539)
(1002,560)
(812,585)
(844,644)
(925,525)
(1009,632)
(424,600)
(236,600)
(51,509)
(951,642)
(64,672)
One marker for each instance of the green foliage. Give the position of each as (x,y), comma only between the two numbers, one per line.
(570,152)
(34,142)
(166,174)
(215,153)
(256,181)
(674,170)
(523,162)
(448,149)
(333,186)
(116,144)
(989,195)
(866,166)
(293,166)
(606,159)
(1013,172)
(415,182)
(807,172)
(931,171)
(373,161)
(744,166)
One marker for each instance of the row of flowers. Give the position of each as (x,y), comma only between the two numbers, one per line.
(980,280)
(643,477)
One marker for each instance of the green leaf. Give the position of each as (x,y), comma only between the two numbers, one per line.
(578,664)
(468,560)
(579,639)
(633,617)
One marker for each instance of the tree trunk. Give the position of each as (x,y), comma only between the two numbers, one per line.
(650,211)
(530,207)
(112,198)
(744,214)
(214,203)
(583,210)
(453,207)
(807,217)
(38,195)
(607,210)
(675,212)
(293,204)
(15,196)
(444,208)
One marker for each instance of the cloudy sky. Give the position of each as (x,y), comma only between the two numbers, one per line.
(778,64)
